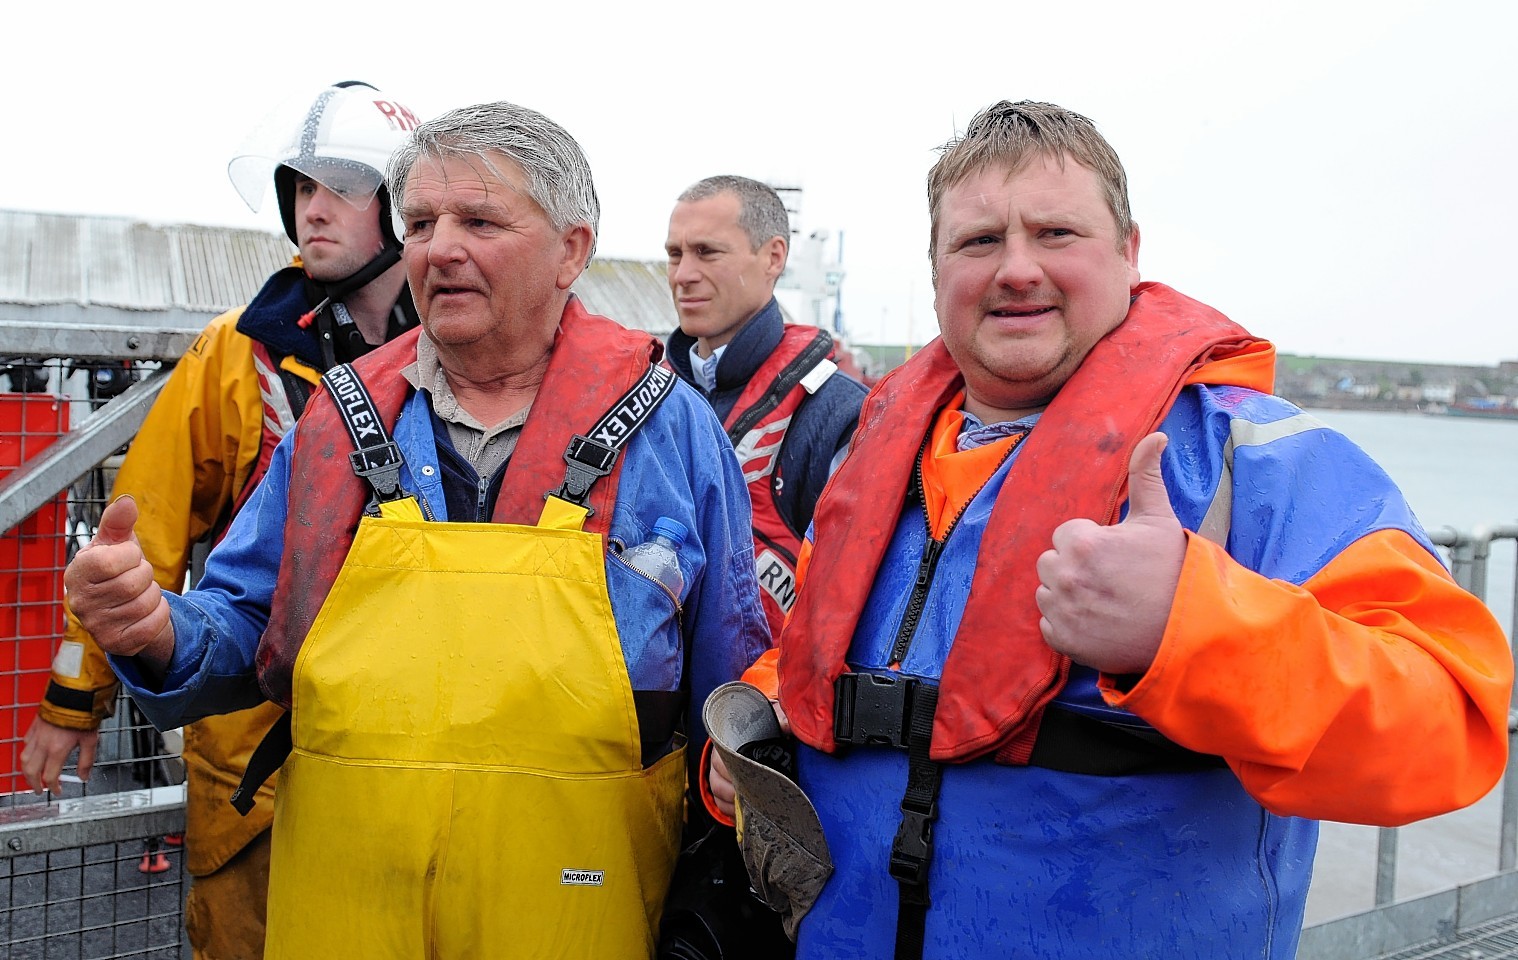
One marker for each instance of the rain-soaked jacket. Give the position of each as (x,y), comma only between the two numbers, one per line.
(1316,645)
(201,448)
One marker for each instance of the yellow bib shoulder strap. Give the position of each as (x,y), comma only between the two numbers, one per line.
(562,515)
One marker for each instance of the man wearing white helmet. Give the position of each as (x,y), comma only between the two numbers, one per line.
(208,440)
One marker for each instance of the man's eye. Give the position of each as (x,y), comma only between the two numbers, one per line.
(417,226)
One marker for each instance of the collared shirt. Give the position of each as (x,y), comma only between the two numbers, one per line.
(486,448)
(705,370)
(973,433)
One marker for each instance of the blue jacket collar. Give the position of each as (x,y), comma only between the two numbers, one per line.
(750,347)
(270,317)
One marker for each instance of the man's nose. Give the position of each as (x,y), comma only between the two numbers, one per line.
(684,272)
(319,207)
(1019,266)
(446,243)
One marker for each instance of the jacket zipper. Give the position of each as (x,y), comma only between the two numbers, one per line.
(482,489)
(662,586)
(932,549)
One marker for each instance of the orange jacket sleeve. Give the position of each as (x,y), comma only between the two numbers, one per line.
(1377,692)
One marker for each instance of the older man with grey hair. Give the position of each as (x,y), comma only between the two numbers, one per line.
(486,738)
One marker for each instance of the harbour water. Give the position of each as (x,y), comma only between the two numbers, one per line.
(1459,473)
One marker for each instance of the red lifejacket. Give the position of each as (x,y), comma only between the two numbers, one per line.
(595,361)
(795,369)
(1000,673)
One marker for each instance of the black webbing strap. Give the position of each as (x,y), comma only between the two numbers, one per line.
(877,710)
(589,458)
(297,390)
(912,851)
(893,711)
(658,713)
(793,373)
(1074,743)
(884,710)
(375,458)
(267,758)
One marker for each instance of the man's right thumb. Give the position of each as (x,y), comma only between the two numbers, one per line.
(117,521)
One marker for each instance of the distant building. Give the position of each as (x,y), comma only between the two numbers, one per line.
(111,271)
(1387,385)
(137,279)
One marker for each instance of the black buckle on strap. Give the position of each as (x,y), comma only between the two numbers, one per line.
(912,851)
(588,461)
(873,710)
(381,466)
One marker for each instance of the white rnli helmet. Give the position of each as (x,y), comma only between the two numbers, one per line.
(342,139)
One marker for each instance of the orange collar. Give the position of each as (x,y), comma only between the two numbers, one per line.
(950,477)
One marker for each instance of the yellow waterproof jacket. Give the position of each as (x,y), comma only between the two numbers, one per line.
(186,468)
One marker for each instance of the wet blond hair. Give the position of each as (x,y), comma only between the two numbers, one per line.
(1011,135)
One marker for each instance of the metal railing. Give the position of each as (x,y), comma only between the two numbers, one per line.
(94,873)
(91,875)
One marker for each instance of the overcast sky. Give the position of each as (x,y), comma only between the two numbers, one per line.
(1338,177)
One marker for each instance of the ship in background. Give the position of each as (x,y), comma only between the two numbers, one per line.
(1486,408)
(811,288)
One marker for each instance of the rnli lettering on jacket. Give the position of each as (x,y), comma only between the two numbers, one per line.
(757,425)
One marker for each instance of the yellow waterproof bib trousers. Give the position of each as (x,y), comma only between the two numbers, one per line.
(466,778)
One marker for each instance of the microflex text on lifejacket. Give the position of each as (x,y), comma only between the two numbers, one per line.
(350,394)
(630,414)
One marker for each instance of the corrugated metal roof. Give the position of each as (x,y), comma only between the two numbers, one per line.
(128,265)
(635,293)
(51,260)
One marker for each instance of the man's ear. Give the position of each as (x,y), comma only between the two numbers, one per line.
(577,242)
(774,251)
(1131,252)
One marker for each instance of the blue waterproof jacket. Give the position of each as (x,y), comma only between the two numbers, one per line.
(1033,862)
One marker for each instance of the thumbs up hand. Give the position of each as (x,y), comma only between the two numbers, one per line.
(111,590)
(1105,592)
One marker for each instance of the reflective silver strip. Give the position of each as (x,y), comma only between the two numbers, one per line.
(1218,520)
(278,415)
(759,449)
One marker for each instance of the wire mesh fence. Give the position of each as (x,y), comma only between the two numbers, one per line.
(94,872)
(97,872)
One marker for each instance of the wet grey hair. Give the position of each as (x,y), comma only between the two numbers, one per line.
(761,212)
(558,176)
(1013,134)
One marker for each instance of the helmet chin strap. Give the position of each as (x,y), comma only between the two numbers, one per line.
(388,257)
